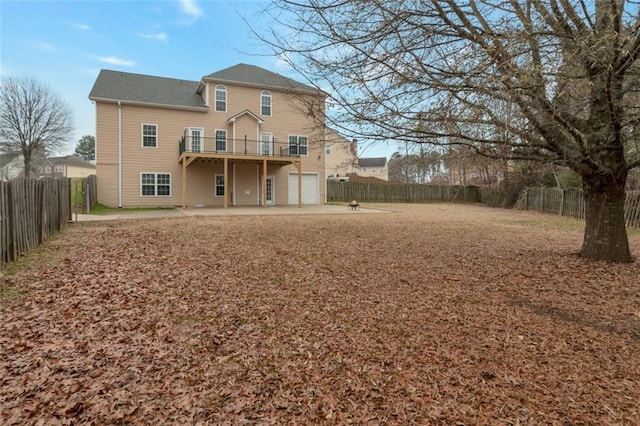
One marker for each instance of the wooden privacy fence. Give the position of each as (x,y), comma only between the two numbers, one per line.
(570,202)
(30,211)
(89,193)
(399,193)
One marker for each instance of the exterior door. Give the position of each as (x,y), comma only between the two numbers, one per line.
(265,147)
(196,139)
(270,197)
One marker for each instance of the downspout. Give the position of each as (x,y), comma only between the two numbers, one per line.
(324,161)
(119,155)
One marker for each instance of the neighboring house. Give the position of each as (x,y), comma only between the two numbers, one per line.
(68,166)
(341,155)
(375,167)
(439,179)
(11,165)
(225,140)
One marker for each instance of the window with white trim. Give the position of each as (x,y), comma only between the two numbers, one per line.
(265,103)
(298,145)
(221,98)
(150,135)
(155,184)
(219,185)
(221,140)
(197,135)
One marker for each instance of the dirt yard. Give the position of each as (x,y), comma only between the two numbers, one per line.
(430,314)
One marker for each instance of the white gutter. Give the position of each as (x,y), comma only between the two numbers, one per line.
(119,155)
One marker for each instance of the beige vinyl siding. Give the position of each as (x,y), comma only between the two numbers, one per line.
(107,153)
(288,118)
(79,172)
(246,176)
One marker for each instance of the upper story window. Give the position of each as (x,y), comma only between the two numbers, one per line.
(265,102)
(58,168)
(221,98)
(150,135)
(298,145)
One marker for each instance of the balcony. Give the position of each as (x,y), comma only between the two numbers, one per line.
(209,147)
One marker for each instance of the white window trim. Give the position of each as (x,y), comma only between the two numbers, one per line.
(226,139)
(300,136)
(201,138)
(215,185)
(142,135)
(270,103)
(271,144)
(215,98)
(156,184)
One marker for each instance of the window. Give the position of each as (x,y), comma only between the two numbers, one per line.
(58,168)
(155,184)
(221,98)
(265,102)
(266,144)
(150,135)
(196,138)
(298,145)
(221,140)
(327,150)
(219,185)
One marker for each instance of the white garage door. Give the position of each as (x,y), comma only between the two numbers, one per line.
(309,188)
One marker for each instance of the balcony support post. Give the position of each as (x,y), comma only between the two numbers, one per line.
(299,167)
(226,182)
(184,182)
(264,183)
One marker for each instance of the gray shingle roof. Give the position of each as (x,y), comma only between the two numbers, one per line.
(8,158)
(146,89)
(72,160)
(256,76)
(372,162)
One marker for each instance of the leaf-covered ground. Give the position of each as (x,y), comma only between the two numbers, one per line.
(430,314)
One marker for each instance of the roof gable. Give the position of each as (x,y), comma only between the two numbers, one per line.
(7,158)
(233,118)
(260,77)
(146,89)
(72,160)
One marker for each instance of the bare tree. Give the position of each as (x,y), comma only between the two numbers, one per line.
(543,80)
(33,120)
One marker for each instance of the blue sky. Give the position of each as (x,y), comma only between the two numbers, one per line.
(64,44)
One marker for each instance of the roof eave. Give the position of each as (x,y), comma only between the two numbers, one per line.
(149,104)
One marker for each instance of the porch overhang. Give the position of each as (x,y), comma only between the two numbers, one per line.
(186,158)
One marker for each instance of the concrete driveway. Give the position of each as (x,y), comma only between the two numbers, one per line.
(231,211)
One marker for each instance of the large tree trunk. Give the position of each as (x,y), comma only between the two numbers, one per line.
(605,235)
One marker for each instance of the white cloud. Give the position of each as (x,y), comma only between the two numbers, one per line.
(82,26)
(46,47)
(113,60)
(155,36)
(191,8)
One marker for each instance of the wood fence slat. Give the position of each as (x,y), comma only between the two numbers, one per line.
(31,210)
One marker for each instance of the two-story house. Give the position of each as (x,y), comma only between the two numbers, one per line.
(68,166)
(376,167)
(341,156)
(241,136)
